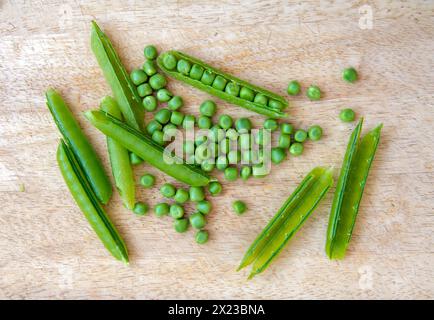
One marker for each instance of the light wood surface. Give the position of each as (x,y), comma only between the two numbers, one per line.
(47,249)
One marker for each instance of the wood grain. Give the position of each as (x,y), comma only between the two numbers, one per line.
(47,250)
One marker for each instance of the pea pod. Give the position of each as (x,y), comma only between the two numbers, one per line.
(124,91)
(290,217)
(222,85)
(88,203)
(349,191)
(120,159)
(147,149)
(77,141)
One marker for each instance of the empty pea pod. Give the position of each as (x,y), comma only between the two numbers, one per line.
(88,203)
(222,85)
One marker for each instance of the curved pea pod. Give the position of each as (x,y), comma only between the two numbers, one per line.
(88,203)
(349,192)
(77,141)
(290,217)
(147,149)
(274,103)
(124,91)
(120,159)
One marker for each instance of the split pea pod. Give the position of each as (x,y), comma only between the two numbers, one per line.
(349,191)
(147,149)
(120,159)
(80,146)
(88,203)
(290,217)
(222,85)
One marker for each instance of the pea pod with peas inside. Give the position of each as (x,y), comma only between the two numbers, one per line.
(147,149)
(87,201)
(290,217)
(222,85)
(349,190)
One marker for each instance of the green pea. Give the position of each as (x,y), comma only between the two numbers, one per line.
(233,89)
(350,75)
(224,146)
(161,209)
(147,180)
(197,194)
(231,173)
(196,72)
(284,141)
(208,77)
(239,207)
(188,147)
(234,156)
(246,157)
(232,134)
(261,99)
(138,76)
(168,127)
(200,139)
(201,237)
(175,103)
(204,207)
(164,95)
(245,172)
(135,159)
(149,67)
(150,52)
(314,133)
(274,104)
(219,83)
(247,94)
(197,220)
(271,124)
(177,118)
(150,103)
(225,121)
(296,149)
(144,90)
(216,134)
(168,190)
(188,122)
(152,126)
(158,137)
(181,196)
(176,211)
(140,208)
(293,88)
(157,81)
(180,225)
(215,188)
(257,172)
(263,137)
(286,128)
(203,151)
(221,162)
(243,125)
(314,93)
(277,155)
(300,135)
(204,122)
(245,141)
(163,115)
(183,66)
(347,115)
(169,61)
(207,165)
(208,108)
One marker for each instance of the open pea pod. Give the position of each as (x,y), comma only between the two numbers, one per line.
(290,217)
(349,191)
(88,203)
(222,85)
(147,149)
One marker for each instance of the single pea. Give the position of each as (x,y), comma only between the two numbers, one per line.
(234,156)
(168,128)
(177,118)
(314,133)
(232,134)
(176,211)
(163,115)
(277,155)
(222,162)
(183,66)
(314,93)
(261,99)
(157,81)
(296,149)
(200,139)
(169,61)
(244,141)
(239,207)
(197,194)
(180,225)
(207,165)
(201,237)
(188,122)
(215,188)
(347,115)
(224,146)
(175,103)
(233,89)
(135,159)
(150,52)
(219,83)
(147,180)
(168,190)
(293,88)
(216,134)
(152,126)
(284,141)
(196,72)
(245,172)
(181,196)
(207,77)
(204,207)
(350,75)
(158,137)
(208,108)
(138,76)
(197,220)
(225,121)
(271,124)
(149,68)
(286,128)
(274,104)
(243,125)
(164,95)
(300,135)
(161,209)
(150,103)
(144,90)
(231,173)
(140,208)
(204,122)
(247,94)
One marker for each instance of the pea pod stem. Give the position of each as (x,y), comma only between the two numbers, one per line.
(119,159)
(146,148)
(88,203)
(349,191)
(80,146)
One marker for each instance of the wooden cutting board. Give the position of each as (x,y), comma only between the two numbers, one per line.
(47,249)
